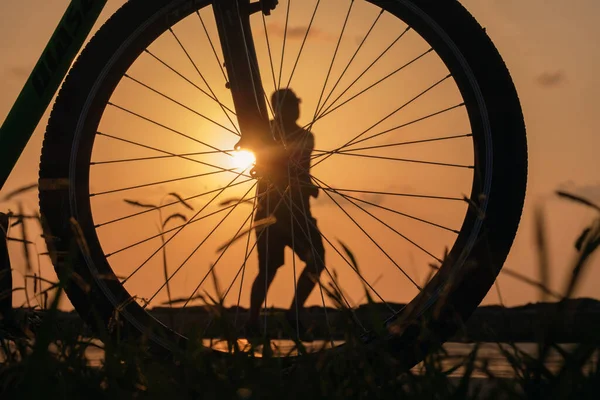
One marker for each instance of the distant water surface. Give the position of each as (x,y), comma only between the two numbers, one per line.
(489,353)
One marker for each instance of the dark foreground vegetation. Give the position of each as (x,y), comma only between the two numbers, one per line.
(580,321)
(45,358)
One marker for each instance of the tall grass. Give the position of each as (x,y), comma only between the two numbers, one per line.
(53,363)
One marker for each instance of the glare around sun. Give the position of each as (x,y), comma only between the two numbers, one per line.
(243,159)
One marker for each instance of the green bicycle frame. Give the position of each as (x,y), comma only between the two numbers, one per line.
(44,81)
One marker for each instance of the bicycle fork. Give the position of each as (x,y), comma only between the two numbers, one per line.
(233,24)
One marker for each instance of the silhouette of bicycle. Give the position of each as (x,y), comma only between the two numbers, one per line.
(417,175)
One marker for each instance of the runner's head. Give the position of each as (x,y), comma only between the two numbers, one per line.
(286,105)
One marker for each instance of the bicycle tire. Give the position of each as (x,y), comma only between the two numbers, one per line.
(463,45)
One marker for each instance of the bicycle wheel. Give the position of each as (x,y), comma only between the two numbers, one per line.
(420,161)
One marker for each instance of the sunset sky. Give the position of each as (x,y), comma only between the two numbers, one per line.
(552,52)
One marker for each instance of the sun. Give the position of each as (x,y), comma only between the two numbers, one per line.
(243,159)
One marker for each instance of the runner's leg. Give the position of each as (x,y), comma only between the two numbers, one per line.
(268,263)
(312,253)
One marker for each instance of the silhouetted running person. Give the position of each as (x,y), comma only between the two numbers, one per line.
(294,227)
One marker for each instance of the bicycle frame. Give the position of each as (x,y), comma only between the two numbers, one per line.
(45,79)
(233,22)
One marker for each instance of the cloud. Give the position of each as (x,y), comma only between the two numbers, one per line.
(551,79)
(298,32)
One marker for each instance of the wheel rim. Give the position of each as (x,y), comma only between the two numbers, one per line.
(373,202)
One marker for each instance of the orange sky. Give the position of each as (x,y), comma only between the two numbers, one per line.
(551,51)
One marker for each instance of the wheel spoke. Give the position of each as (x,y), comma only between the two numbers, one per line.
(373,66)
(326,111)
(331,108)
(421,196)
(338,192)
(437,139)
(403,126)
(353,269)
(181,228)
(315,256)
(314,119)
(418,96)
(247,254)
(339,41)
(112,221)
(285,31)
(342,149)
(125,160)
(269,52)
(169,153)
(345,196)
(310,24)
(294,252)
(200,245)
(354,140)
(213,48)
(182,178)
(242,270)
(187,80)
(375,242)
(267,101)
(333,280)
(350,62)
(219,258)
(389,227)
(407,160)
(191,221)
(267,231)
(167,128)
(237,132)
(180,104)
